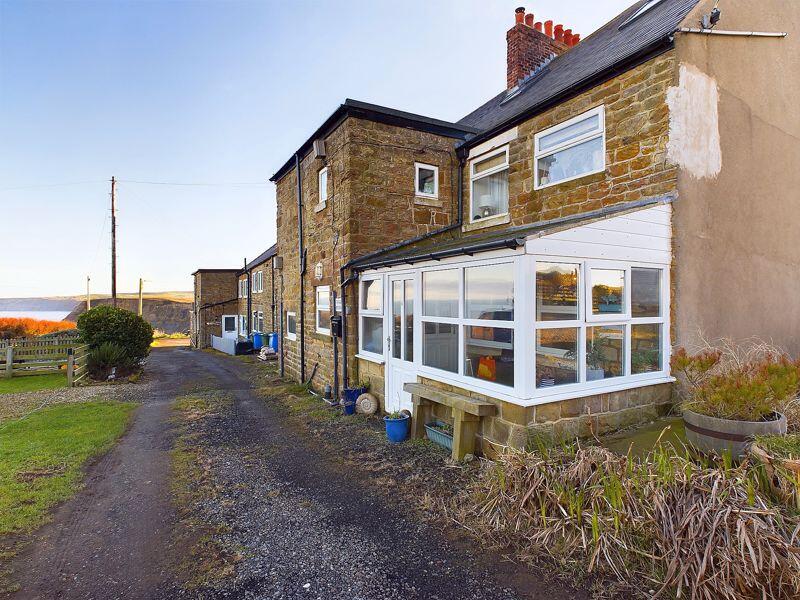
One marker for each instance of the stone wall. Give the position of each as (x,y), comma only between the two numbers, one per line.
(515,425)
(371,204)
(637,129)
(212,287)
(584,417)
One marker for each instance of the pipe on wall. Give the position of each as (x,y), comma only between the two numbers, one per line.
(302,267)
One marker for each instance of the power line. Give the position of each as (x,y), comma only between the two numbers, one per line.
(231,184)
(47,185)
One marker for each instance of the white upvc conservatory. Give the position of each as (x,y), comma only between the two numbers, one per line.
(571,313)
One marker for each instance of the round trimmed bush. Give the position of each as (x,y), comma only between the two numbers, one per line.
(127,330)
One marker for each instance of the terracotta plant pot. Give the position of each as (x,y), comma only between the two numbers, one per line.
(716,436)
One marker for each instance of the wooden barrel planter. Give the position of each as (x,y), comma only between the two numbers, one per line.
(716,436)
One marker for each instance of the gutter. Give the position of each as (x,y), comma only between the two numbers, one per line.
(769,34)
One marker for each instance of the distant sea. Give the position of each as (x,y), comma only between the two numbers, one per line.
(42,315)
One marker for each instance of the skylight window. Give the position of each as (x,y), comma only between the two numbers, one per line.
(642,9)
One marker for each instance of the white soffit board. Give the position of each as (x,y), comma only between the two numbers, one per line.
(495,142)
(640,236)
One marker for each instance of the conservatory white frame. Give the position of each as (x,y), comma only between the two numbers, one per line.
(524,325)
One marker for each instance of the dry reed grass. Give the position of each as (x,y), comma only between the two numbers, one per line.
(674,524)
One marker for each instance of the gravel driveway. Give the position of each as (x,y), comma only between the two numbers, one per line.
(300,522)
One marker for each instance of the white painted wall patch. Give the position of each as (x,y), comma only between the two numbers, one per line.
(694,123)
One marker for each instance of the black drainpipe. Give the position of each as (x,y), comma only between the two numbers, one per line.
(462,158)
(249,300)
(302,265)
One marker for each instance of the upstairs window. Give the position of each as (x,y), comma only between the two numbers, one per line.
(489,185)
(570,150)
(323,187)
(427,180)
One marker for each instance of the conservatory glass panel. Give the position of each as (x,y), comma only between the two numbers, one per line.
(556,357)
(556,292)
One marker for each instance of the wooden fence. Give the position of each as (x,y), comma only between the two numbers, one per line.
(35,356)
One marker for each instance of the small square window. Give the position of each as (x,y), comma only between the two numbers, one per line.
(427,180)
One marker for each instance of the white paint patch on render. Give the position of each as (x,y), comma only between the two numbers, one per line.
(694,123)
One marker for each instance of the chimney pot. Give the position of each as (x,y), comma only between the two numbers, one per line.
(529,19)
(519,14)
(559,33)
(576,38)
(548,28)
(568,37)
(538,26)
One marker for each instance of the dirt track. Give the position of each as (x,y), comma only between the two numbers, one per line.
(302,526)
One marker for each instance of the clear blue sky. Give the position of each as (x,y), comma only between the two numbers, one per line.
(206,92)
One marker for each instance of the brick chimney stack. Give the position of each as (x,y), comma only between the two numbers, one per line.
(529,47)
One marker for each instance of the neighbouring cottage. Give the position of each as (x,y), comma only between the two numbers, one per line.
(214,305)
(542,256)
(256,291)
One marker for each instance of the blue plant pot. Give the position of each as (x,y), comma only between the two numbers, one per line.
(437,436)
(396,429)
(349,408)
(352,394)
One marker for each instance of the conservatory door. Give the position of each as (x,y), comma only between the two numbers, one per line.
(400,367)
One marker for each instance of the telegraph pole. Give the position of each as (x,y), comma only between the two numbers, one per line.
(140,296)
(113,243)
(88,295)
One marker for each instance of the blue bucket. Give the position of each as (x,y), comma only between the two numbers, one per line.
(397,429)
(258,341)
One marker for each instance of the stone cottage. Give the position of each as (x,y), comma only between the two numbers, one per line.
(214,298)
(541,257)
(257,308)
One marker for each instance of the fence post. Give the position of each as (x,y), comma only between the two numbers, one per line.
(70,367)
(9,361)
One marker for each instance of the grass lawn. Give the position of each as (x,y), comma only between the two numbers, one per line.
(32,383)
(42,455)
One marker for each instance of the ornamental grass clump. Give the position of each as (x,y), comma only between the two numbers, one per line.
(749,382)
(674,524)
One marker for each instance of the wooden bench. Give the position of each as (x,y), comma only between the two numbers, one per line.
(467,413)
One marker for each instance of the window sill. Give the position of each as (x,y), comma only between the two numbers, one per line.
(378,360)
(428,201)
(487,222)
(320,207)
(600,389)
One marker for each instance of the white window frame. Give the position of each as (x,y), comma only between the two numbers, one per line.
(372,313)
(322,189)
(435,169)
(321,328)
(598,133)
(461,322)
(473,178)
(588,266)
(243,325)
(585,321)
(289,334)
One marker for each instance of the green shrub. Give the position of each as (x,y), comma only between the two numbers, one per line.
(121,327)
(728,383)
(107,356)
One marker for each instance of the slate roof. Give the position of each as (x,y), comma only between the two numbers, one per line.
(605,52)
(267,254)
(454,242)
